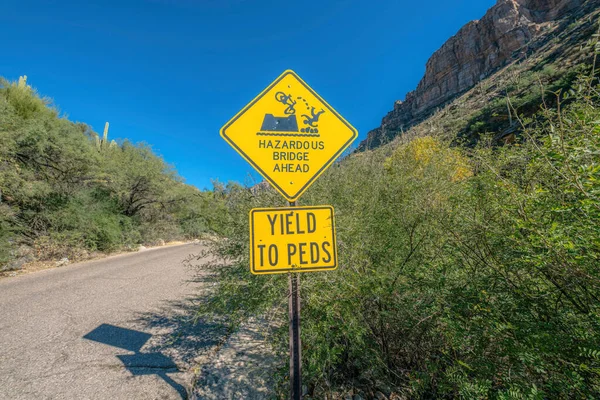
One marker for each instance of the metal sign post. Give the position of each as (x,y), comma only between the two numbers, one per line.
(295,343)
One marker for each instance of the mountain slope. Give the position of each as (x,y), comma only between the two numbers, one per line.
(66,193)
(511,31)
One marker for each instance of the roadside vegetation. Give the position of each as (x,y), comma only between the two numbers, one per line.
(465,272)
(66,192)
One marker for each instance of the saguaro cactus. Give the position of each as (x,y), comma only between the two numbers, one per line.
(105,136)
(22,81)
(103,143)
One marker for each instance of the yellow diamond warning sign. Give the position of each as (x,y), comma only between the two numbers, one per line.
(298,239)
(289,134)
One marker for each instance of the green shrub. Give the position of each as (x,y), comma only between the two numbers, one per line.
(463,273)
(7,236)
(65,192)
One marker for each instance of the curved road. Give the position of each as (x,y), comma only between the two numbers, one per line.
(116,328)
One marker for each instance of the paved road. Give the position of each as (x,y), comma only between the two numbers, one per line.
(116,328)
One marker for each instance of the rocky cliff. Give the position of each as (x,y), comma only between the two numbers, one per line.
(478,49)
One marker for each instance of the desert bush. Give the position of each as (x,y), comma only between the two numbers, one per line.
(7,236)
(66,191)
(464,273)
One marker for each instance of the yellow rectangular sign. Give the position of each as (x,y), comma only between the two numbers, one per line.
(292,239)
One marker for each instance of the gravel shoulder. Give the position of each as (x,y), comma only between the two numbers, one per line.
(243,367)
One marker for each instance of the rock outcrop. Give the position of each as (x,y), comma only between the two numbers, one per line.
(478,49)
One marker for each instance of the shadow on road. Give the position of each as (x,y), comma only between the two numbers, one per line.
(216,362)
(176,341)
(139,363)
(179,332)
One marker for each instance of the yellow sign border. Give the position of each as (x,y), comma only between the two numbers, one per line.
(295,196)
(285,271)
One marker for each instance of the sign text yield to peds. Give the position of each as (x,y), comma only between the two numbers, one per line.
(299,239)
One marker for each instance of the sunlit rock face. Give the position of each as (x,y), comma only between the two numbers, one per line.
(478,49)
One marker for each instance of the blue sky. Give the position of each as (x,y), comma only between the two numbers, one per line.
(172,72)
